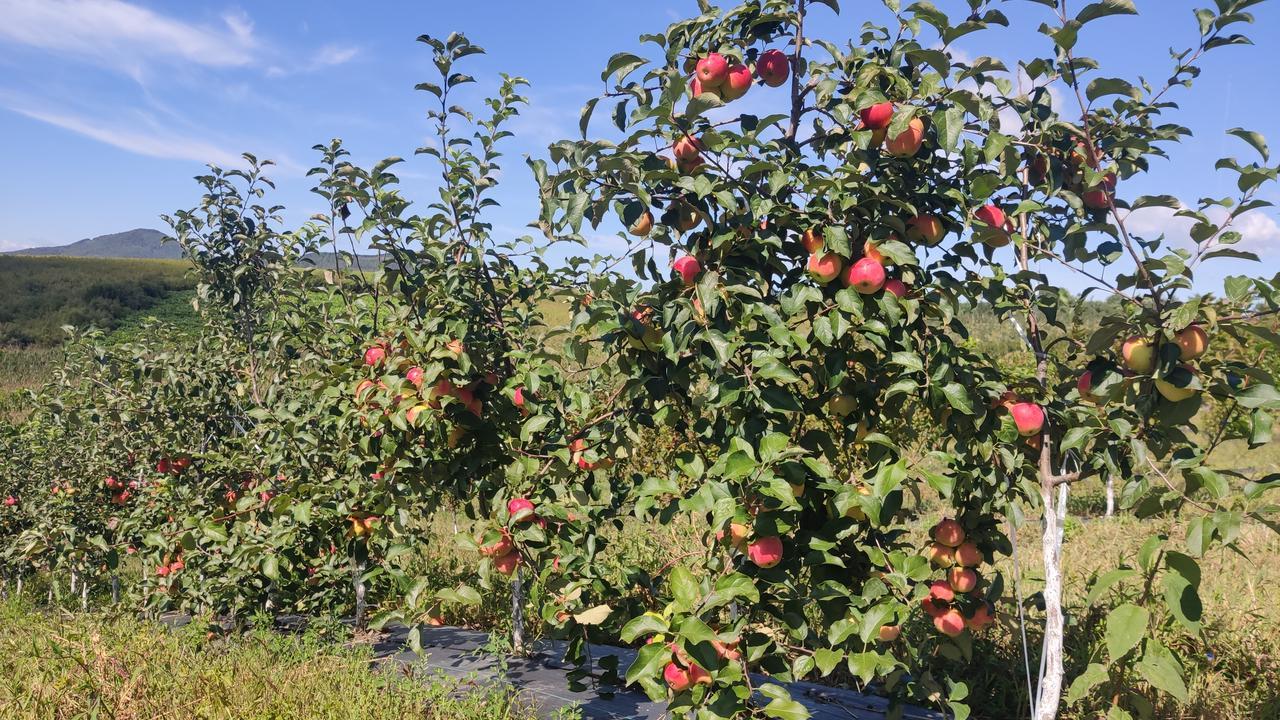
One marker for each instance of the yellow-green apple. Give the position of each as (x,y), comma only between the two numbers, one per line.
(688,267)
(1192,342)
(889,633)
(712,70)
(968,555)
(766,551)
(907,142)
(824,267)
(926,229)
(737,82)
(1174,386)
(456,436)
(949,623)
(841,404)
(1139,354)
(1027,417)
(773,67)
(865,276)
(877,116)
(411,415)
(962,579)
(948,532)
(992,227)
(940,555)
(738,533)
(643,225)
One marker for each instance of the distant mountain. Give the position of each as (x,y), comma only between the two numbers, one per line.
(140,243)
(148,244)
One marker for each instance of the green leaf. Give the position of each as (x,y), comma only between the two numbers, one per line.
(649,661)
(1159,668)
(584,118)
(1085,682)
(646,624)
(1101,87)
(1255,140)
(958,397)
(780,704)
(593,616)
(1093,11)
(1106,581)
(685,589)
(271,567)
(1126,625)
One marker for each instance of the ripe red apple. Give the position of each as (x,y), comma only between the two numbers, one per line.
(688,268)
(520,509)
(517,399)
(941,591)
(737,82)
(1028,417)
(968,555)
(812,240)
(866,276)
(1192,342)
(962,579)
(948,532)
(499,547)
(931,607)
(824,267)
(982,616)
(163,466)
(1139,354)
(643,225)
(925,229)
(877,116)
(950,623)
(162,571)
(871,251)
(1085,387)
(10,501)
(766,551)
(889,633)
(687,148)
(896,286)
(712,70)
(907,142)
(992,227)
(676,677)
(413,375)
(432,620)
(940,555)
(727,650)
(374,355)
(506,564)
(696,88)
(773,67)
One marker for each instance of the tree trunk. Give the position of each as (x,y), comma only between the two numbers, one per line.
(115,589)
(1051,675)
(357,582)
(1111,496)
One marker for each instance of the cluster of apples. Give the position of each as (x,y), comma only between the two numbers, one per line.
(877,118)
(120,490)
(1140,355)
(171,568)
(868,273)
(506,558)
(946,602)
(729,79)
(1097,196)
(173,465)
(764,552)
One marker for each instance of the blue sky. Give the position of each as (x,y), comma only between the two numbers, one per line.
(109,107)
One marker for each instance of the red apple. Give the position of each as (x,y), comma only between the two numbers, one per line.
(982,616)
(520,509)
(375,355)
(506,564)
(931,607)
(941,591)
(962,579)
(1192,342)
(696,88)
(925,229)
(896,286)
(712,70)
(688,268)
(773,67)
(766,551)
(940,555)
(10,501)
(414,376)
(948,532)
(866,276)
(1085,387)
(687,148)
(824,267)
(517,399)
(812,240)
(736,82)
(676,677)
(1028,417)
(992,227)
(877,116)
(950,623)
(907,142)
(968,555)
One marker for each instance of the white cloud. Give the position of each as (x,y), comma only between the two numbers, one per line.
(151,141)
(1259,231)
(125,36)
(327,56)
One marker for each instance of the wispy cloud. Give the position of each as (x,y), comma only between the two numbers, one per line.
(1259,231)
(152,141)
(326,57)
(124,36)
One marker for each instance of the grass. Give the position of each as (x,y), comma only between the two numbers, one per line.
(55,666)
(38,295)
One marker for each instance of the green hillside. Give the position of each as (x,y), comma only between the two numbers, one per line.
(38,295)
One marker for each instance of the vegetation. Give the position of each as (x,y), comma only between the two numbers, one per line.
(55,665)
(39,295)
(790,442)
